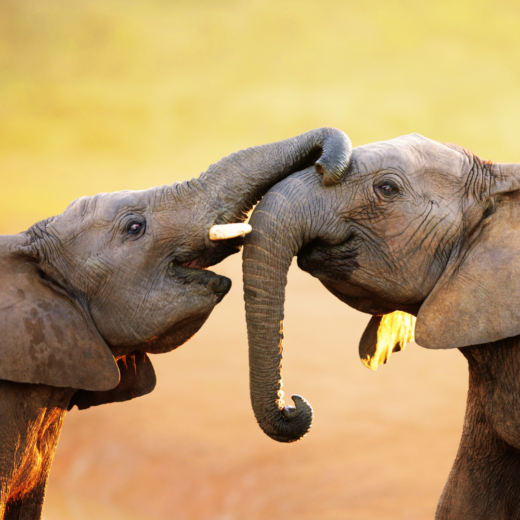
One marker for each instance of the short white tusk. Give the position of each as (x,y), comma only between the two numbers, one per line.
(226,231)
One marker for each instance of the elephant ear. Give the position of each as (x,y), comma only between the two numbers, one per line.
(46,335)
(384,335)
(137,379)
(477,300)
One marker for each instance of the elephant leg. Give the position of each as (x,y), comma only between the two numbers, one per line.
(484,482)
(27,505)
(4,495)
(32,417)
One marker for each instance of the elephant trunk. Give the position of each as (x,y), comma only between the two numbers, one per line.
(280,230)
(238,181)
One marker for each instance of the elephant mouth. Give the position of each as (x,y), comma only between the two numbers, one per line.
(192,275)
(334,266)
(194,264)
(329,262)
(178,333)
(183,330)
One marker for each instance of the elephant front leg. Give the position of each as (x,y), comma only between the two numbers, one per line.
(484,483)
(35,415)
(28,489)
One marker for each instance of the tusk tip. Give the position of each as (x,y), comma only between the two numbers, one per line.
(226,231)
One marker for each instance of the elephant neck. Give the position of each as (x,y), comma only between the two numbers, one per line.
(494,382)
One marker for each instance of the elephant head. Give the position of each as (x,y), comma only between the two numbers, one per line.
(415,226)
(86,294)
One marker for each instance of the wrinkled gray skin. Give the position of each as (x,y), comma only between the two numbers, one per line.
(87,294)
(421,227)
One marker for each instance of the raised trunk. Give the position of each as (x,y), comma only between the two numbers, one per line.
(239,180)
(280,230)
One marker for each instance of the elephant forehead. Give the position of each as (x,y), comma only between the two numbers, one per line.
(107,206)
(99,210)
(409,154)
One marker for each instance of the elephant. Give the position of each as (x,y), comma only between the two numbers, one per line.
(417,234)
(86,295)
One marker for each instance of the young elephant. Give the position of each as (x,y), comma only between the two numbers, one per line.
(420,227)
(87,294)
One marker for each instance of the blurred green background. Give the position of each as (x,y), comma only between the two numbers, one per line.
(104,95)
(124,94)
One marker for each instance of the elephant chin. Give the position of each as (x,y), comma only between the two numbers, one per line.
(174,337)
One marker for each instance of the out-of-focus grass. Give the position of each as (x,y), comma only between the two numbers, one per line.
(99,96)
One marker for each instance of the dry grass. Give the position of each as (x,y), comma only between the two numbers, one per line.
(100,96)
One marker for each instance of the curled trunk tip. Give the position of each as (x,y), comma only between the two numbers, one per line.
(335,159)
(290,423)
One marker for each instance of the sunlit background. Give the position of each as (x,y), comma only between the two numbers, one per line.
(104,95)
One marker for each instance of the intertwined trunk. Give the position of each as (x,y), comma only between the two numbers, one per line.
(229,189)
(288,217)
(237,182)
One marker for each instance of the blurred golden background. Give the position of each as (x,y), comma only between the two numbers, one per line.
(107,95)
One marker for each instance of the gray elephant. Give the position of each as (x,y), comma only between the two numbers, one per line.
(86,295)
(416,226)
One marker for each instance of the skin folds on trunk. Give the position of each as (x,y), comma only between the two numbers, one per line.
(239,180)
(280,230)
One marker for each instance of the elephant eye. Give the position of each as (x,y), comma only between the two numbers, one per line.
(134,228)
(387,188)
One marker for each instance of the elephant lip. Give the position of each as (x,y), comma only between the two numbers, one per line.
(309,260)
(329,262)
(220,296)
(221,287)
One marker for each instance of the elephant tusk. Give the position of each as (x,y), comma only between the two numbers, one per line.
(225,231)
